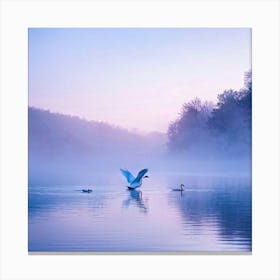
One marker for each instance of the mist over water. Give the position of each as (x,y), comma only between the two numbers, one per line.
(67,154)
(69,150)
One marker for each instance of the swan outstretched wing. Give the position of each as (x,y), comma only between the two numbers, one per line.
(129,177)
(141,175)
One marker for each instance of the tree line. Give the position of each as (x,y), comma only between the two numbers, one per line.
(222,130)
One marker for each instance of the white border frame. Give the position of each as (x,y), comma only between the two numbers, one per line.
(262,16)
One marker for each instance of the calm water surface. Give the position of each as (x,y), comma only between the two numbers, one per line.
(212,214)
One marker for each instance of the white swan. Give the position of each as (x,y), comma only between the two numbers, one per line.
(134,182)
(182,188)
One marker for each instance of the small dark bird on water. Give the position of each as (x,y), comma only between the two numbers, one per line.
(87,191)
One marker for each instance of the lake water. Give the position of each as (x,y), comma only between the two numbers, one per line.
(213,214)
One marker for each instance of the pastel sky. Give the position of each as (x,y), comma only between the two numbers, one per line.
(136,78)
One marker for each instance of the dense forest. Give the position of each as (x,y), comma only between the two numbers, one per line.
(204,130)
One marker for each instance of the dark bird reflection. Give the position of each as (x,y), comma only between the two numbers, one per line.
(135,197)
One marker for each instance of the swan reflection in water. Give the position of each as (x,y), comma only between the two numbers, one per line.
(136,198)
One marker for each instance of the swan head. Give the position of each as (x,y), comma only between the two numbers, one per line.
(182,186)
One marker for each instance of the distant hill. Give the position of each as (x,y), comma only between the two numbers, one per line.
(65,148)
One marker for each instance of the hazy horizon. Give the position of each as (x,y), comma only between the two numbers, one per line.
(130,130)
(133,78)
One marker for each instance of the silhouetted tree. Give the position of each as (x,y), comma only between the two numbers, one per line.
(190,129)
(231,120)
